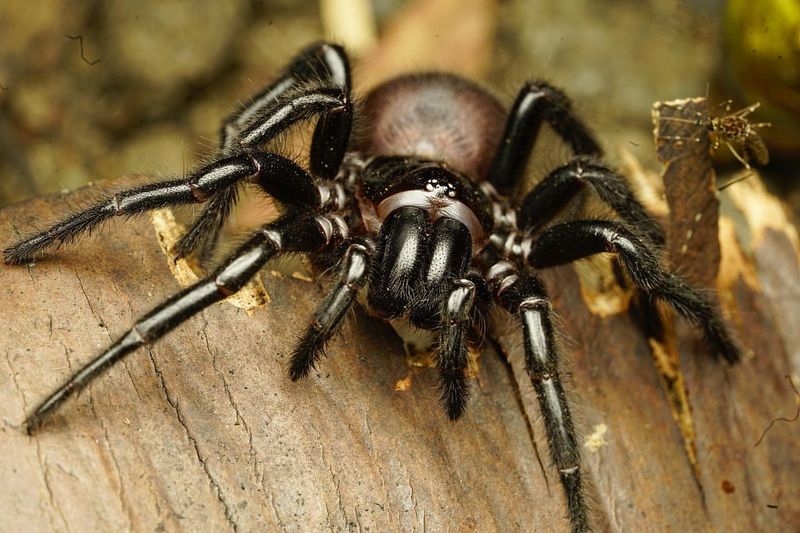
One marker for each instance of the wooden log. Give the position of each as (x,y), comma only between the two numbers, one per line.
(204,431)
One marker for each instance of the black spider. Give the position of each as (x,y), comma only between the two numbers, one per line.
(417,210)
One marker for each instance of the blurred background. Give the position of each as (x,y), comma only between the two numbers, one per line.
(93,90)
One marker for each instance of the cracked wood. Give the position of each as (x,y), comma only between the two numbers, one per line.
(206,431)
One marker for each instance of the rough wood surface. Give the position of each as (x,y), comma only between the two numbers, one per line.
(205,432)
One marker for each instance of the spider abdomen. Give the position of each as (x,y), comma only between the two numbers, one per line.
(434,116)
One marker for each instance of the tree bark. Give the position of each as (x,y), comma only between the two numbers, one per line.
(205,432)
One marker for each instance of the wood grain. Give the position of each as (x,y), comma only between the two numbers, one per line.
(205,432)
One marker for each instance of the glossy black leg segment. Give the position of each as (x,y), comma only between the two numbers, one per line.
(304,104)
(332,133)
(449,252)
(297,231)
(330,141)
(528,301)
(198,187)
(400,259)
(456,314)
(280,177)
(536,103)
(324,63)
(286,181)
(352,276)
(568,242)
(566,182)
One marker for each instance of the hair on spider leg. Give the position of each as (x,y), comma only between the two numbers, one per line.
(566,345)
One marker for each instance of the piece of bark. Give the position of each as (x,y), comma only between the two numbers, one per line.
(205,431)
(683,145)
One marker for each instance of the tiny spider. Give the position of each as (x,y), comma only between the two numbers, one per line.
(417,211)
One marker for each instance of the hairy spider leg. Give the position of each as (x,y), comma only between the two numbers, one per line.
(299,230)
(562,184)
(324,64)
(571,241)
(197,187)
(300,104)
(352,276)
(279,176)
(451,347)
(537,102)
(527,300)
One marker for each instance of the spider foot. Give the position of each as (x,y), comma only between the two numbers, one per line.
(454,393)
(308,351)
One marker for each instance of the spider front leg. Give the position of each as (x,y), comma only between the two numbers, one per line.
(196,188)
(300,230)
(326,65)
(538,102)
(564,183)
(279,176)
(571,241)
(527,300)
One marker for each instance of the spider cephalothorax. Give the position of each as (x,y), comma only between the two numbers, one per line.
(417,210)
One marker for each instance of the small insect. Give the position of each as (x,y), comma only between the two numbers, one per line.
(734,130)
(418,212)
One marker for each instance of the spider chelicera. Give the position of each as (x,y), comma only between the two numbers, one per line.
(417,210)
